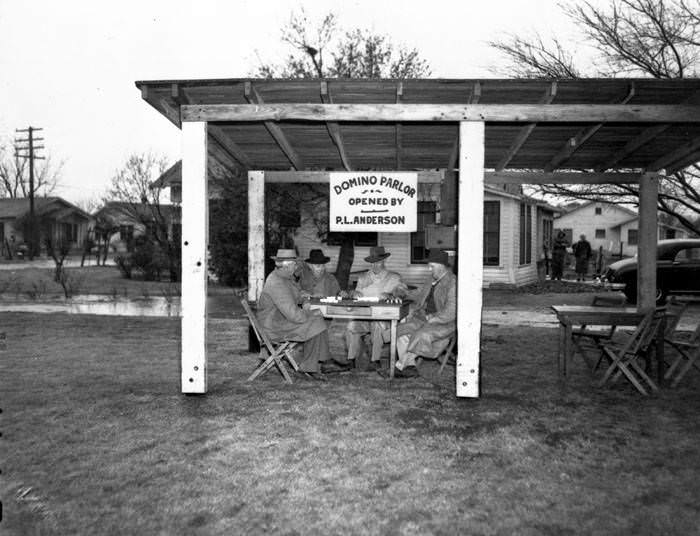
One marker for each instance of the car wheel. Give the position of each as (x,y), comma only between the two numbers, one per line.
(661,295)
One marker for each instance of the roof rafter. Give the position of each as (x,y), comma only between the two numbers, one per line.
(574,144)
(683,163)
(642,139)
(525,132)
(454,153)
(679,155)
(334,128)
(253,97)
(233,151)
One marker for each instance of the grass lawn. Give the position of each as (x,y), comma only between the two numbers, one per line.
(96,439)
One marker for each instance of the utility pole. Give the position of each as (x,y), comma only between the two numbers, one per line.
(30,149)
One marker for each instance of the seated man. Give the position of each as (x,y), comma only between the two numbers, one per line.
(282,318)
(315,281)
(432,318)
(382,283)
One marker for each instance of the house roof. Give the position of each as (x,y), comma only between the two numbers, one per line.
(585,204)
(138,211)
(278,144)
(56,207)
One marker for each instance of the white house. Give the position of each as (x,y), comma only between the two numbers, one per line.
(612,227)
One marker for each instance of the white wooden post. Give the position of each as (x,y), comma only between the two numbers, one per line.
(647,238)
(195,224)
(470,256)
(256,234)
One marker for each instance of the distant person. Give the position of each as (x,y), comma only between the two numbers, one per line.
(583,253)
(558,255)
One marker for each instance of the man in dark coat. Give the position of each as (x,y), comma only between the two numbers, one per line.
(433,317)
(583,253)
(315,280)
(282,318)
(559,254)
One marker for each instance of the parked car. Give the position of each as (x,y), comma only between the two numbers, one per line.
(677,270)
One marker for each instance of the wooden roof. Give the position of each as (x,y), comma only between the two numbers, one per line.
(514,145)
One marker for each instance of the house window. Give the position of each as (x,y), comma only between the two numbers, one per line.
(525,234)
(425,216)
(670,233)
(600,233)
(492,233)
(359,239)
(126,233)
(598,211)
(632,237)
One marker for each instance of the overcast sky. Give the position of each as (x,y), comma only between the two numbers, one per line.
(69,66)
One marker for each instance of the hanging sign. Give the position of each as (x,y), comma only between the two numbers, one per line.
(373,201)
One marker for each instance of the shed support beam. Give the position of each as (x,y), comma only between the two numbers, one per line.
(195,220)
(454,154)
(470,248)
(525,132)
(273,128)
(490,177)
(256,234)
(398,128)
(648,237)
(449,113)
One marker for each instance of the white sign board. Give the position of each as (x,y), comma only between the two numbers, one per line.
(369,201)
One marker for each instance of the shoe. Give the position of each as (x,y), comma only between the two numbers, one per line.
(344,365)
(334,366)
(408,372)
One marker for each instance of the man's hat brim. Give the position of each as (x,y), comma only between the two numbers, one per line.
(377,258)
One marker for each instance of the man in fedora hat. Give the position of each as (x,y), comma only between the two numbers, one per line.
(315,280)
(432,319)
(378,282)
(282,318)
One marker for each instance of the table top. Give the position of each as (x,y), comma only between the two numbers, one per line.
(601,316)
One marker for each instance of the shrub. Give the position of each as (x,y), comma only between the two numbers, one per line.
(124,265)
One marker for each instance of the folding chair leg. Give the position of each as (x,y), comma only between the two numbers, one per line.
(644,375)
(628,374)
(686,367)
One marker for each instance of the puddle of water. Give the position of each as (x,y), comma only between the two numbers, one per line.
(99,305)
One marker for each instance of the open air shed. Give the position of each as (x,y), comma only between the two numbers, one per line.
(460,133)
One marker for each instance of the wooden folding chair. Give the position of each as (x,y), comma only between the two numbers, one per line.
(583,336)
(447,356)
(274,351)
(624,357)
(688,349)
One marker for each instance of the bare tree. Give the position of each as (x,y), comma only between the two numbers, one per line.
(133,185)
(324,50)
(14,174)
(654,38)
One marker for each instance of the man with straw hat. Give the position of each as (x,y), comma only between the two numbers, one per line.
(433,317)
(282,318)
(376,282)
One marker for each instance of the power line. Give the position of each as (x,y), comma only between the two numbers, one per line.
(28,151)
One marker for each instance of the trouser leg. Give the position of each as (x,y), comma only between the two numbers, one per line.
(316,349)
(377,332)
(353,338)
(406,358)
